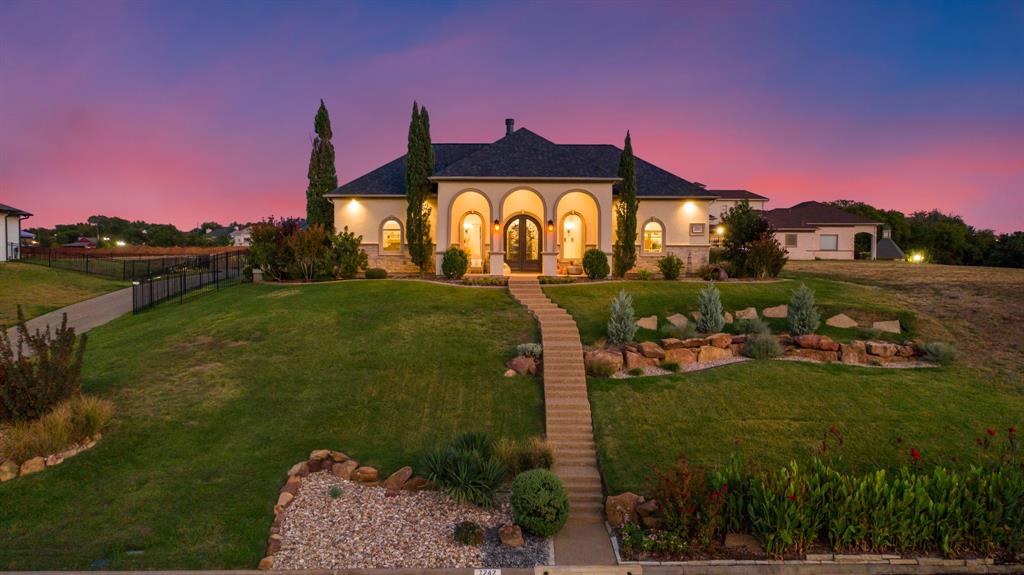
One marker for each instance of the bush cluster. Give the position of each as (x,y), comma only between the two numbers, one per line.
(670,266)
(540,504)
(454,263)
(523,455)
(939,352)
(466,469)
(40,371)
(376,274)
(69,422)
(762,346)
(485,281)
(285,250)
(556,280)
(595,264)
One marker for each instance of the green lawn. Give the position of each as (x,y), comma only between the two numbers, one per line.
(39,289)
(590,303)
(218,397)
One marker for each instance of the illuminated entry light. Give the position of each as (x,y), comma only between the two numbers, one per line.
(689,207)
(720,230)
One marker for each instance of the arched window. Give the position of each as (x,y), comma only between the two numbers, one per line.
(391,236)
(654,237)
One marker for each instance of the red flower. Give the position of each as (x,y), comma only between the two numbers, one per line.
(915,454)
(1012,429)
(991,432)
(791,497)
(833,430)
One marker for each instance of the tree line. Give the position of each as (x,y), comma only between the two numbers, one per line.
(109,230)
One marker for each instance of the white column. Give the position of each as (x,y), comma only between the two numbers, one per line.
(874,243)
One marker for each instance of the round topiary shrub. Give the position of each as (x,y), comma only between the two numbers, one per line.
(454,263)
(595,264)
(376,273)
(670,266)
(539,502)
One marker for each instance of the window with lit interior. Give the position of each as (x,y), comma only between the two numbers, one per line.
(654,236)
(391,236)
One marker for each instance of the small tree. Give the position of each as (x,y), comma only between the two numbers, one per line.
(454,263)
(595,264)
(624,250)
(323,177)
(349,258)
(622,323)
(311,252)
(269,249)
(712,316)
(803,314)
(419,166)
(766,257)
(743,226)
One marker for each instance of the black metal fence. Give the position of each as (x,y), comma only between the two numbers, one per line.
(216,271)
(127,269)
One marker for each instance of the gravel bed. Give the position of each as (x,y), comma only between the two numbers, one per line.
(364,528)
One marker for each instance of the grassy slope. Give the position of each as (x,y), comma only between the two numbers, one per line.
(40,289)
(217,398)
(771,412)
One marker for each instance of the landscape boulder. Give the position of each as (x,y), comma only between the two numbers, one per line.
(814,354)
(651,349)
(338,457)
(881,348)
(8,470)
(301,469)
(510,373)
(511,535)
(680,355)
(815,341)
(696,315)
(344,469)
(267,563)
(722,340)
(891,326)
(694,342)
(416,484)
(747,313)
(396,480)
(779,311)
(366,475)
(319,454)
(602,362)
(635,360)
(619,509)
(273,544)
(292,485)
(677,319)
(648,508)
(649,322)
(728,317)
(523,365)
(671,343)
(710,353)
(853,353)
(283,500)
(905,350)
(841,320)
(34,465)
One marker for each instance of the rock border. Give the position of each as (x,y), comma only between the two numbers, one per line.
(10,470)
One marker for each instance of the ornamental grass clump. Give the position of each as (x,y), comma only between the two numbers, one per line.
(622,323)
(73,421)
(762,346)
(712,316)
(523,454)
(803,316)
(466,469)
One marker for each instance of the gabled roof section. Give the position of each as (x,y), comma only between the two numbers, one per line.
(389,179)
(886,249)
(809,215)
(13,211)
(738,195)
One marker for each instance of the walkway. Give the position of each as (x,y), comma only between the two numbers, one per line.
(83,315)
(584,540)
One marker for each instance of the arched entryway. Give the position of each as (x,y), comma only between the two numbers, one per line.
(471,239)
(523,243)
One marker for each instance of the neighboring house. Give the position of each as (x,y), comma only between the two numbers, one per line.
(83,243)
(241,236)
(526,204)
(812,230)
(28,239)
(10,232)
(728,199)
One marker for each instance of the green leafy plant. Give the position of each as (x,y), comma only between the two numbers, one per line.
(595,264)
(712,316)
(803,316)
(540,504)
(644,275)
(485,281)
(349,258)
(40,371)
(622,323)
(523,455)
(376,274)
(468,533)
(670,266)
(533,350)
(939,352)
(466,469)
(765,257)
(454,263)
(334,492)
(556,280)
(762,346)
(310,251)
(475,441)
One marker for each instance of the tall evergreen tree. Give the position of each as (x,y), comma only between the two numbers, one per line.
(624,251)
(419,166)
(323,177)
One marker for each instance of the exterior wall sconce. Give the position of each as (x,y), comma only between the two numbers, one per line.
(497,226)
(551,226)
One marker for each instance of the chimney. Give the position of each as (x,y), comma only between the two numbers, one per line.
(510,126)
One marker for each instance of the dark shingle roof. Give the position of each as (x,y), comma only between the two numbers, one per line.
(524,154)
(737,195)
(886,249)
(13,211)
(807,215)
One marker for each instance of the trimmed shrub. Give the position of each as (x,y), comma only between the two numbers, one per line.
(644,275)
(803,314)
(622,323)
(70,422)
(540,504)
(376,274)
(712,316)
(670,266)
(753,326)
(765,257)
(595,264)
(468,533)
(454,263)
(34,380)
(939,352)
(523,455)
(762,346)
(533,350)
(349,258)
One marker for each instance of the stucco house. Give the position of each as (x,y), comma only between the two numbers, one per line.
(526,204)
(10,232)
(813,230)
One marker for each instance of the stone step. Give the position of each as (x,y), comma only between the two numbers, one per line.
(566,414)
(561,443)
(592,498)
(576,471)
(569,429)
(580,403)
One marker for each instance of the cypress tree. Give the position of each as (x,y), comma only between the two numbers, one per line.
(624,251)
(419,166)
(323,177)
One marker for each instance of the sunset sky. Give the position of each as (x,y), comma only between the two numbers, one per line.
(189,111)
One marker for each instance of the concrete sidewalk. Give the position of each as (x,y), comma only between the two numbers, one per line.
(83,315)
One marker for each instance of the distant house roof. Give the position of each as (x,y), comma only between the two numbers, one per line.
(809,215)
(738,195)
(13,211)
(525,155)
(220,232)
(886,249)
(27,235)
(241,231)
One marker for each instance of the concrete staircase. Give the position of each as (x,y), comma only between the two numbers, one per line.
(584,541)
